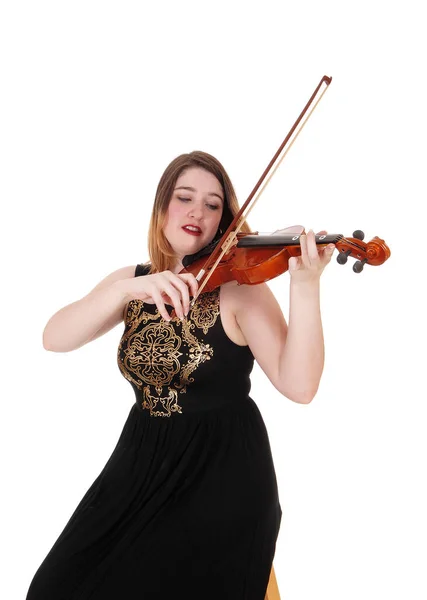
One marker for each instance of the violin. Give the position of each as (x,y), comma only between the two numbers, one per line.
(250,258)
(255,258)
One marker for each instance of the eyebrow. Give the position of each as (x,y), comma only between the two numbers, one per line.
(191,189)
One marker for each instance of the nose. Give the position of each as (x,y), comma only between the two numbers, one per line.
(196,211)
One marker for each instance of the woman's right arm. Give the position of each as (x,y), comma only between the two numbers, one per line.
(93,315)
(103,308)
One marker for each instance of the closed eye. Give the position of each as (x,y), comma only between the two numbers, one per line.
(211,206)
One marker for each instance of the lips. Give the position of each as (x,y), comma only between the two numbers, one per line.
(192,229)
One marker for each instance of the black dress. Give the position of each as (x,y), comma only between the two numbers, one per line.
(187,505)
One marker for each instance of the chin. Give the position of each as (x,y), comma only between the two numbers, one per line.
(194,245)
(194,249)
(185,250)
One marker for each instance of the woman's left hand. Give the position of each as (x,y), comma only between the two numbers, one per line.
(309,266)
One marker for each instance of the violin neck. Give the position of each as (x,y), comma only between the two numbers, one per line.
(283,239)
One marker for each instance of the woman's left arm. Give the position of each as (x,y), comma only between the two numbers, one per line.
(292,356)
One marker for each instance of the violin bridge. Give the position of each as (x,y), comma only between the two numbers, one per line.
(231,240)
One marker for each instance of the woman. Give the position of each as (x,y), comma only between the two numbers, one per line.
(187,505)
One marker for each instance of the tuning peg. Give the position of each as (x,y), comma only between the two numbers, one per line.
(358,234)
(359,264)
(342,257)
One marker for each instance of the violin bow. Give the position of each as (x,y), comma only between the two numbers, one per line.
(229,237)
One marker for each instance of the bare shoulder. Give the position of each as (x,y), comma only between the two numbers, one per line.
(243,297)
(122,273)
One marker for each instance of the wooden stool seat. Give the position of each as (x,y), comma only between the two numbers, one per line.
(272,588)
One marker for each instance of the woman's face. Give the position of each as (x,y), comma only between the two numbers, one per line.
(194,211)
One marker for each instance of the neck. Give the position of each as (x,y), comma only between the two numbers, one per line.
(177,266)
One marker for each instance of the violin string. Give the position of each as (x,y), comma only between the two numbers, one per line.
(230,240)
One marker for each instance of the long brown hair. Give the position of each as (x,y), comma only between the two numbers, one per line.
(162,256)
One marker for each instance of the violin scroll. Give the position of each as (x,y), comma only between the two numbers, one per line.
(375,252)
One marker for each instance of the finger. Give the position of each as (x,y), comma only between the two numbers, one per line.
(293,263)
(313,253)
(304,252)
(166,299)
(180,283)
(192,285)
(325,250)
(321,247)
(191,281)
(176,297)
(182,290)
(327,253)
(157,297)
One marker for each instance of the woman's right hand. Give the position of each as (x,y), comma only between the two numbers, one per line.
(165,287)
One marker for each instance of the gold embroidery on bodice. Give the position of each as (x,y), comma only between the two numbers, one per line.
(202,313)
(151,355)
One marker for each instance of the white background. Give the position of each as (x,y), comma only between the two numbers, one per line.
(97,98)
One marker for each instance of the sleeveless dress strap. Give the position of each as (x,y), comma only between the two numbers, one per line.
(142,270)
